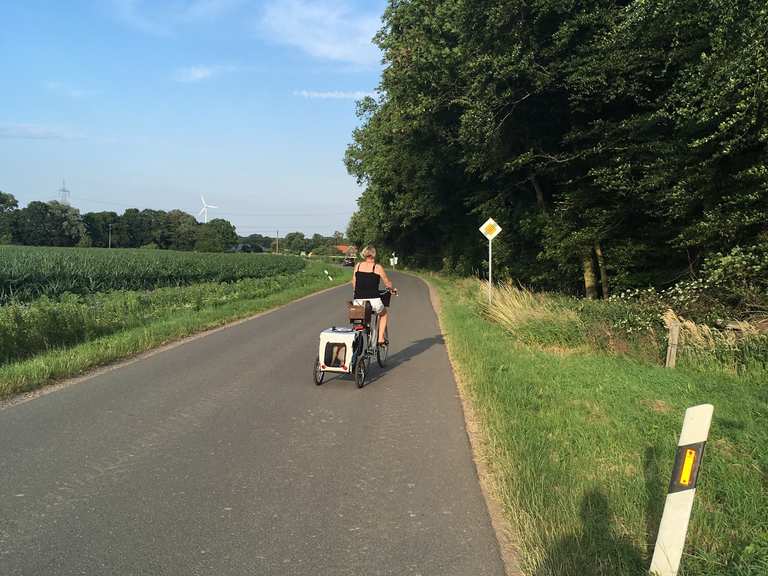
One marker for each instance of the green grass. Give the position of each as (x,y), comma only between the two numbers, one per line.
(580,445)
(28,272)
(211,306)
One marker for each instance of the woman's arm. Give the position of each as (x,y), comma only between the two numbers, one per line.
(384,277)
(353,275)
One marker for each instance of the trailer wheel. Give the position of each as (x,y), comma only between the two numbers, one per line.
(361,371)
(318,374)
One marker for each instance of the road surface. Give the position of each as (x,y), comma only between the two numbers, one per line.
(221,457)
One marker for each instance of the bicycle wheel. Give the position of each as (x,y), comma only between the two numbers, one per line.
(382,350)
(361,371)
(318,374)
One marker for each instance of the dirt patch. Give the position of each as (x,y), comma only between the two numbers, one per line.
(658,406)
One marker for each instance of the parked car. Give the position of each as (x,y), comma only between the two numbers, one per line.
(348,261)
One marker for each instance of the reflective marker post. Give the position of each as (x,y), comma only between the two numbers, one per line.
(677,509)
(490,230)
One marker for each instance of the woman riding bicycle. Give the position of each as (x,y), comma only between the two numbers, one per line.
(365,282)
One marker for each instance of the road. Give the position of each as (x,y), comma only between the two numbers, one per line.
(221,457)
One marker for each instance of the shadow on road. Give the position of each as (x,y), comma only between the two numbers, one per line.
(402,356)
(597,550)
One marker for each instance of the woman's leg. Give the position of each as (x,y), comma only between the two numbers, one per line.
(383,317)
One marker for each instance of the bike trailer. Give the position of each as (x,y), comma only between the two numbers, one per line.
(339,349)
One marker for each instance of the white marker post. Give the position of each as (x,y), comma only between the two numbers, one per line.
(490,230)
(677,509)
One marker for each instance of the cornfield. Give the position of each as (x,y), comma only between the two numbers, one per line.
(27,273)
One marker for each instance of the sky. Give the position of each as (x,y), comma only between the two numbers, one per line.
(151,104)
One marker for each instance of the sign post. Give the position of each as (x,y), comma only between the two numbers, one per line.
(490,230)
(677,509)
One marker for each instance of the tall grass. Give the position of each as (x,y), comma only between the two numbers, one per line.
(564,324)
(27,329)
(740,347)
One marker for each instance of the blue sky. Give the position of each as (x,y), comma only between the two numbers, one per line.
(149,104)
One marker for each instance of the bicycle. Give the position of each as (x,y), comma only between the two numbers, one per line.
(362,339)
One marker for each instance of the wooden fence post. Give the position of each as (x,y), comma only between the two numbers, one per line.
(674,339)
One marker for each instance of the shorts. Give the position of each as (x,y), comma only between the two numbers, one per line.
(376,303)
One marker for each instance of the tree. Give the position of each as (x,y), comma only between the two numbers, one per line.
(8,206)
(181,230)
(98,226)
(50,224)
(617,143)
(216,236)
(265,242)
(294,242)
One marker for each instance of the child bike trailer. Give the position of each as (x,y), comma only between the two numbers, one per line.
(341,351)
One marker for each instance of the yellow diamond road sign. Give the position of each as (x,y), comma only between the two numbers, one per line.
(490,229)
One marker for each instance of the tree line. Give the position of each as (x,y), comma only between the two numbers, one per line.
(618,143)
(58,224)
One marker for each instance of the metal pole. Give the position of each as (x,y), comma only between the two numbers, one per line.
(490,271)
(277,243)
(110,236)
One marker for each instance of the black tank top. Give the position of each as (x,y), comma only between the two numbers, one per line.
(367,284)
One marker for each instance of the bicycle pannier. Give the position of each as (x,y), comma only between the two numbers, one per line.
(359,314)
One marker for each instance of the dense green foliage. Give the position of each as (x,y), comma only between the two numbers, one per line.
(56,224)
(30,272)
(7,205)
(581,443)
(617,143)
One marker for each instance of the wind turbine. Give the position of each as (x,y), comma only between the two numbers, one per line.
(204,211)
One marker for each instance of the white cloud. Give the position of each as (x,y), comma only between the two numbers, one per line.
(190,74)
(68,90)
(158,19)
(202,9)
(130,12)
(193,74)
(333,95)
(324,29)
(37,132)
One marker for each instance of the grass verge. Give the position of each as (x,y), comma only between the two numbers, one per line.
(580,444)
(177,323)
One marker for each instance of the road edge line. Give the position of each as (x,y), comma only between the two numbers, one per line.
(25,397)
(502,528)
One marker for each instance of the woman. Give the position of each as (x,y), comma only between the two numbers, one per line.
(365,282)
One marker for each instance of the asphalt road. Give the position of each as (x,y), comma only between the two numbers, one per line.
(221,457)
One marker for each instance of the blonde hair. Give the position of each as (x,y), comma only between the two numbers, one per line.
(368,252)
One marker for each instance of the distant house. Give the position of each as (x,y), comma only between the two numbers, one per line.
(347,250)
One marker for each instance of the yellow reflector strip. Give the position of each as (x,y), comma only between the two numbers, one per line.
(685,473)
